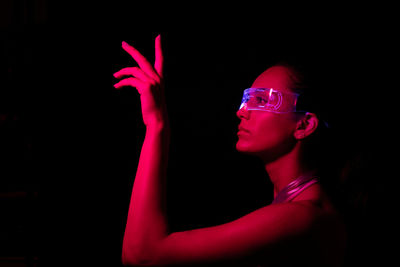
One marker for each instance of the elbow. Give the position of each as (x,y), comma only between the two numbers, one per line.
(135,261)
(137,258)
(126,259)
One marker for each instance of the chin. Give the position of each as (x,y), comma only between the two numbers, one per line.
(242,147)
(267,155)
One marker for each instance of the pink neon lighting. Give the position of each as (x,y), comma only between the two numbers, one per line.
(303,231)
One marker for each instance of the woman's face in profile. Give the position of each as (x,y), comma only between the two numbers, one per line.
(264,133)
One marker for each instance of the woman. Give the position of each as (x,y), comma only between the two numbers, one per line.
(300,227)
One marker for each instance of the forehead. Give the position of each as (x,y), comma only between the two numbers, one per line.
(277,77)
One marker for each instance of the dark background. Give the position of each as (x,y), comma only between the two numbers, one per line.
(70,142)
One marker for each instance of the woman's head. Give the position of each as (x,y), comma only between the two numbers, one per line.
(269,134)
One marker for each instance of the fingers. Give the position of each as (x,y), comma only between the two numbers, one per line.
(159,61)
(144,76)
(132,71)
(134,82)
(140,59)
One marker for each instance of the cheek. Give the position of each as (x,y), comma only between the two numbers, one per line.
(272,136)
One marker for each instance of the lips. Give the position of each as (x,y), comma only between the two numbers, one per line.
(242,129)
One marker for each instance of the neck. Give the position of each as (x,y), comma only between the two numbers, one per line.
(285,169)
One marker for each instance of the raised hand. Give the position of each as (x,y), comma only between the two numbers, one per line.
(148,80)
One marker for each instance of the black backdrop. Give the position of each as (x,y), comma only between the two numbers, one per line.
(87,136)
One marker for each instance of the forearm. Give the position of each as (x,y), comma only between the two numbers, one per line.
(146,223)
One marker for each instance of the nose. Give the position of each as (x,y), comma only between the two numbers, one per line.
(243,113)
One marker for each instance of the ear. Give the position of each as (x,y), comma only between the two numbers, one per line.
(306,126)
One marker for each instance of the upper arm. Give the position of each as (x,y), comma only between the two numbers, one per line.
(259,230)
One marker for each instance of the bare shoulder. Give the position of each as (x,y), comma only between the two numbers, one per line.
(298,213)
(270,234)
(326,233)
(297,229)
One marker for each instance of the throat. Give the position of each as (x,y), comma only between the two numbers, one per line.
(286,169)
(294,188)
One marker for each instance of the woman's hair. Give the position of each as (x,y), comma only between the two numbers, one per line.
(323,148)
(343,165)
(331,148)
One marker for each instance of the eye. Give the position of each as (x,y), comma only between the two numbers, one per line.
(261,100)
(273,97)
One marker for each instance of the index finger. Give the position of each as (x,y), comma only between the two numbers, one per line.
(140,59)
(159,61)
